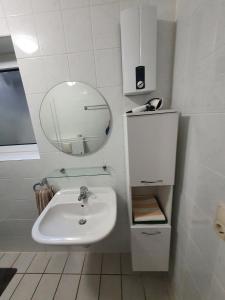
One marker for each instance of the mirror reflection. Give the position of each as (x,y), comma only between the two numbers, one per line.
(75,118)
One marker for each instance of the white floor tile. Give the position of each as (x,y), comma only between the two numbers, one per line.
(92,263)
(132,288)
(89,287)
(155,286)
(23,261)
(126,264)
(74,263)
(26,287)
(110,287)
(47,287)
(8,259)
(111,263)
(67,288)
(11,287)
(57,263)
(39,263)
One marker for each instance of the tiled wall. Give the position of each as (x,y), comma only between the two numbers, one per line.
(76,40)
(199,93)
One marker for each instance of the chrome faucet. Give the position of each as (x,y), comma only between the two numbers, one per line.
(84,193)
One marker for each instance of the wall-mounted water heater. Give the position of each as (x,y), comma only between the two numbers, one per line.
(139,41)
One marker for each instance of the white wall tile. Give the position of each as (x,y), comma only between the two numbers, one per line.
(199,78)
(4,29)
(165,8)
(189,290)
(106,26)
(108,67)
(220,264)
(2,13)
(50,33)
(74,3)
(77,24)
(217,291)
(35,83)
(19,7)
(24,36)
(96,2)
(45,5)
(82,67)
(56,69)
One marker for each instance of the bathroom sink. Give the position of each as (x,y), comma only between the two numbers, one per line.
(68,221)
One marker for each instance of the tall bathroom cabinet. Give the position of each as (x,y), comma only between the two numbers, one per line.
(151,141)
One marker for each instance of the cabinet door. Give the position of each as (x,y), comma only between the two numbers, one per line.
(152,143)
(150,248)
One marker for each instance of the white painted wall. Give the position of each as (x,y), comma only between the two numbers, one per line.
(198,92)
(75,40)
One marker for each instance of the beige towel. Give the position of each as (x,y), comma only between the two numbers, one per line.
(147,210)
(43,197)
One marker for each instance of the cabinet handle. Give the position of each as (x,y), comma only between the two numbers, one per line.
(155,181)
(153,233)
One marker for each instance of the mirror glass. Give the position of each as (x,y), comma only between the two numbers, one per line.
(75,118)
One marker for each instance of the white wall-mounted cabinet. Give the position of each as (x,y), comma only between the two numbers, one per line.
(152,148)
(151,155)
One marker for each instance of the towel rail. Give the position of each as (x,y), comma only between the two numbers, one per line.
(39,184)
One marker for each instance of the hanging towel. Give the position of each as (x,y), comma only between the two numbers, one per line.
(78,146)
(43,197)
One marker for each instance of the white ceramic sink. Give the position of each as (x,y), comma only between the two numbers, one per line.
(59,223)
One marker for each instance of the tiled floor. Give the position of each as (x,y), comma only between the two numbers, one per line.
(80,276)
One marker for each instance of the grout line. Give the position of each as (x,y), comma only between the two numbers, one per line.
(2,255)
(121,281)
(143,286)
(78,286)
(41,277)
(66,53)
(85,257)
(30,263)
(15,259)
(100,280)
(118,274)
(16,286)
(93,44)
(37,286)
(80,277)
(60,275)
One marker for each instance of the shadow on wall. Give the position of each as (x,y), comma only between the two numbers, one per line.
(180,167)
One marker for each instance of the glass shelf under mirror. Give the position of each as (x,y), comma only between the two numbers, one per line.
(79,172)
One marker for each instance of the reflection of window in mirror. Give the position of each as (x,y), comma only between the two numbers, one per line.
(15,123)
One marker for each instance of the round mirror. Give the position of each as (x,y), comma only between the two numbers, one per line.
(75,118)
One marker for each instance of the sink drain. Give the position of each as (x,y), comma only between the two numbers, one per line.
(82,221)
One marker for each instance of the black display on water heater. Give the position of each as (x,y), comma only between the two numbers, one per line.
(140,77)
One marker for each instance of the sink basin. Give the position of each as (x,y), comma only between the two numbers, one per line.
(67,221)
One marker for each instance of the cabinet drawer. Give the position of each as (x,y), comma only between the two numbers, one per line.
(150,248)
